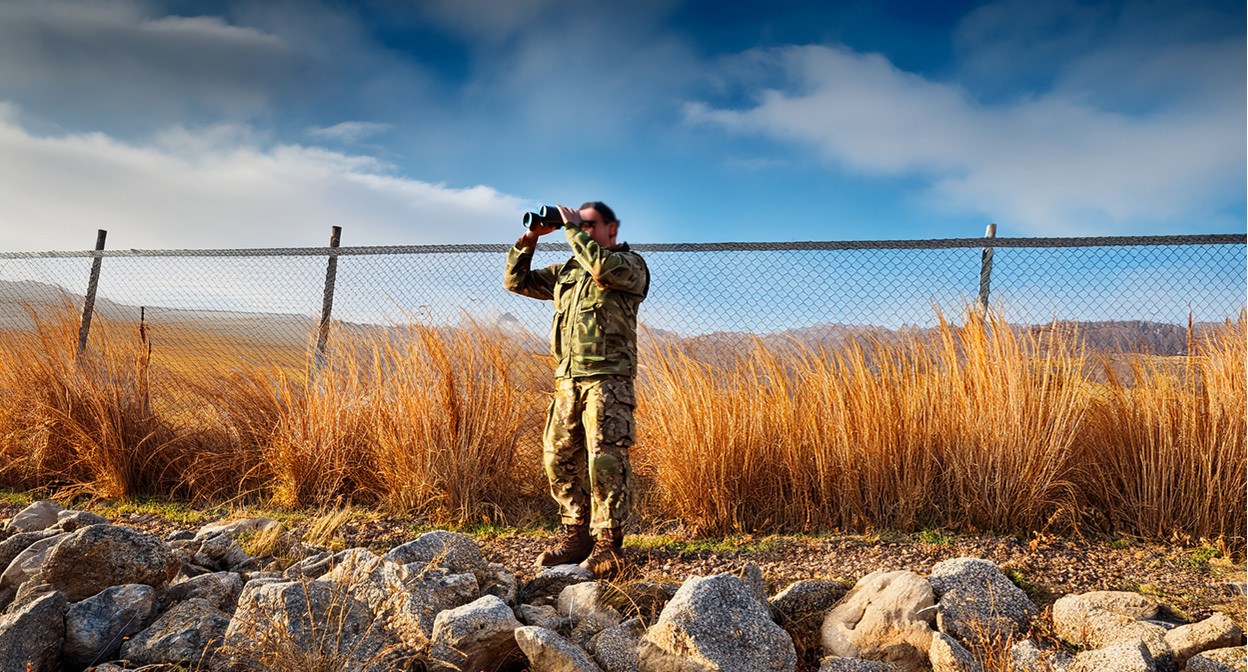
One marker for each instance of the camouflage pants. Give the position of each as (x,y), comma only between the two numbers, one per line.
(589,428)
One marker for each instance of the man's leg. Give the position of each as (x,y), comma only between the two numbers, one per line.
(608,419)
(563,456)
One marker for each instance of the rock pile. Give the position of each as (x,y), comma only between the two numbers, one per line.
(78,593)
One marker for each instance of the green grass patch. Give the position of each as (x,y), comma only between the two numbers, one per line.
(935,536)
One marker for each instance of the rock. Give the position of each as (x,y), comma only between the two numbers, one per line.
(548,652)
(1068,612)
(1216,632)
(580,601)
(411,610)
(715,623)
(839,664)
(752,576)
(615,648)
(366,577)
(189,633)
(1230,659)
(1128,656)
(38,516)
(98,556)
(887,616)
(548,584)
(235,528)
(1025,656)
(29,592)
(456,553)
(13,546)
(645,599)
(1103,619)
(477,636)
(542,616)
(29,562)
(800,608)
(94,627)
(311,567)
(500,583)
(220,589)
(68,521)
(31,636)
(179,535)
(975,601)
(948,655)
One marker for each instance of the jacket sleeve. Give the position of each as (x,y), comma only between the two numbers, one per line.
(622,271)
(539,284)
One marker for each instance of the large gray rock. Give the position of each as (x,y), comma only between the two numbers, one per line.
(1231,659)
(548,652)
(37,516)
(410,612)
(68,521)
(1106,618)
(189,633)
(948,655)
(716,623)
(31,636)
(1216,632)
(1127,656)
(477,636)
(501,583)
(839,664)
(1025,656)
(13,546)
(96,626)
(550,582)
(615,648)
(975,601)
(454,552)
(28,563)
(541,615)
(801,607)
(366,577)
(220,589)
(98,556)
(887,616)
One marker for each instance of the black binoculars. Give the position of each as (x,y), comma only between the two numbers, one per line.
(547,215)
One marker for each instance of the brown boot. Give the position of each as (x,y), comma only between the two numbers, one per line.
(573,544)
(608,557)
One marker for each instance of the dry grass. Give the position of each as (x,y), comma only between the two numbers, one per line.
(978,426)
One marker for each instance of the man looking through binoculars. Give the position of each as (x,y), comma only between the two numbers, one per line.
(589,424)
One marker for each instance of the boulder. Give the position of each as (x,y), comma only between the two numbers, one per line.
(839,664)
(548,652)
(96,626)
(887,616)
(68,521)
(32,635)
(948,655)
(615,648)
(456,553)
(752,576)
(1127,656)
(1229,659)
(716,623)
(582,605)
(975,601)
(1216,632)
(500,583)
(235,528)
(38,516)
(410,611)
(1106,618)
(189,633)
(542,616)
(312,567)
(28,563)
(479,636)
(801,606)
(1025,656)
(550,582)
(220,589)
(366,577)
(644,599)
(13,546)
(98,556)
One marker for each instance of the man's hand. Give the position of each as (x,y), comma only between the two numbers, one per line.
(570,216)
(529,240)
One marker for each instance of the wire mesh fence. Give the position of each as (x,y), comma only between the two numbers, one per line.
(263,306)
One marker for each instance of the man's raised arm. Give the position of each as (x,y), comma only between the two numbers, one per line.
(615,270)
(519,277)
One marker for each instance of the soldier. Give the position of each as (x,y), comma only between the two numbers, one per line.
(589,425)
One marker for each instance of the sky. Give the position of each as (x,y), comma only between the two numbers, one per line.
(263,123)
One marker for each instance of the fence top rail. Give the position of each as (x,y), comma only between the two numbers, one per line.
(943,243)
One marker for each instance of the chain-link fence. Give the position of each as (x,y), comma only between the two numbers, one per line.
(264,306)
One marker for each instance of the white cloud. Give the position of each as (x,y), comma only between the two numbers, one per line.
(224,187)
(1048,164)
(350,131)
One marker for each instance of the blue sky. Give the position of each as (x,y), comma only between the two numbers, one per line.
(254,124)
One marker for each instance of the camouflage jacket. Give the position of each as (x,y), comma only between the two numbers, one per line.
(596,294)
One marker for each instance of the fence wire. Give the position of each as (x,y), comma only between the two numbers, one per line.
(263,306)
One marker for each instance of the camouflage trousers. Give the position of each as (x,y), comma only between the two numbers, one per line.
(589,428)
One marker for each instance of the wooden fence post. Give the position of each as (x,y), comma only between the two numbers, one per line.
(327,299)
(985,269)
(88,303)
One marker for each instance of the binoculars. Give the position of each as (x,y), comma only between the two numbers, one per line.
(547,215)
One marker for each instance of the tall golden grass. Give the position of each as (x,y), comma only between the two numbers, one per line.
(973,426)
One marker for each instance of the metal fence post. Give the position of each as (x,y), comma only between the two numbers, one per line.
(88,303)
(327,299)
(985,269)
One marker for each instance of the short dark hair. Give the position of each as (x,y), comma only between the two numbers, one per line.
(608,215)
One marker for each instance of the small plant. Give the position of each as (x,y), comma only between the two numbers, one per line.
(934,536)
(1200,556)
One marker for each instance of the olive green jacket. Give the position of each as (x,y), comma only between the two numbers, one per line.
(596,294)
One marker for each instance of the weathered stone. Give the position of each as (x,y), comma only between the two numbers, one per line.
(38,516)
(615,648)
(179,535)
(1083,621)
(948,655)
(312,567)
(189,633)
(548,652)
(581,601)
(29,562)
(94,627)
(366,577)
(715,623)
(32,635)
(1069,611)
(542,616)
(500,583)
(550,582)
(13,546)
(1216,632)
(29,592)
(887,616)
(752,576)
(975,601)
(1027,657)
(644,599)
(68,521)
(411,610)
(477,636)
(801,607)
(1127,656)
(839,664)
(456,553)
(235,528)
(98,556)
(220,589)
(1231,659)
